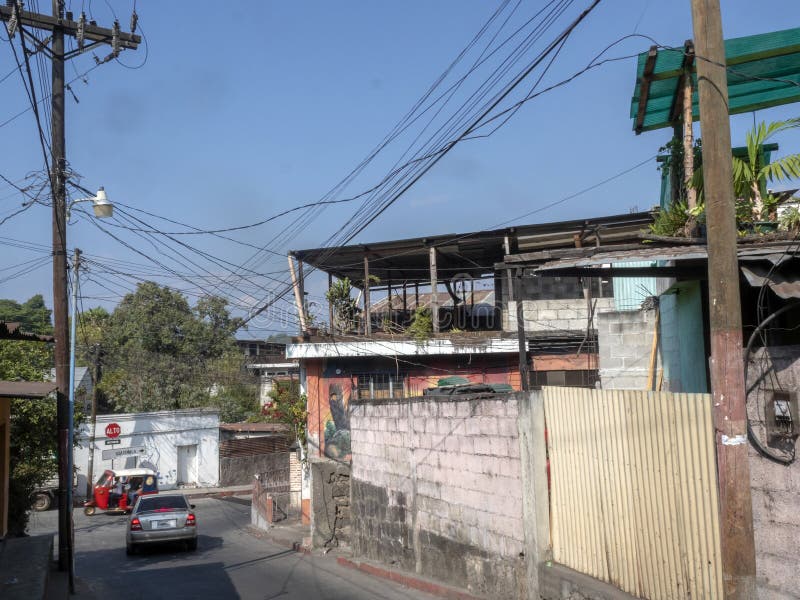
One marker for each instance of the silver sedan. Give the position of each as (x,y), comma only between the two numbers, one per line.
(160,519)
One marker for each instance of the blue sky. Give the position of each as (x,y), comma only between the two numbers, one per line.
(245,109)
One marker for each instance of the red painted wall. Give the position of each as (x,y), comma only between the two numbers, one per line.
(330,384)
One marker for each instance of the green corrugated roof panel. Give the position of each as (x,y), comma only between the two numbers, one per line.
(763,71)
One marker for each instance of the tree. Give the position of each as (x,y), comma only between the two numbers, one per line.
(752,173)
(162,354)
(750,177)
(288,406)
(33,422)
(32,315)
(344,306)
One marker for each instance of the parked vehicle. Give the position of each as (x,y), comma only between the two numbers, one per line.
(131,483)
(159,520)
(44,496)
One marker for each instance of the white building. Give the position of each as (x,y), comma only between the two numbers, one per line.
(182,446)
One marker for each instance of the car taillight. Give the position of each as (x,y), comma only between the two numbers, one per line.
(190,520)
(136,525)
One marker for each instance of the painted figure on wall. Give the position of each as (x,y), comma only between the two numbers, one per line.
(337,427)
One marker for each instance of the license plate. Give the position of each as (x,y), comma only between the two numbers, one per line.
(165,524)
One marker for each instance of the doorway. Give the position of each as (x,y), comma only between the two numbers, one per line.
(187,465)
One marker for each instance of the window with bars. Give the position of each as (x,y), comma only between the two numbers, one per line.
(372,386)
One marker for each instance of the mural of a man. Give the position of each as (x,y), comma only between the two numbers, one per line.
(337,429)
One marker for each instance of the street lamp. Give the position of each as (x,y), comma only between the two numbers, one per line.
(103,208)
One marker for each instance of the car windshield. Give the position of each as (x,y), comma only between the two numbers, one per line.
(162,504)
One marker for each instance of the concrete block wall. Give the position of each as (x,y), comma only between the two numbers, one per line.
(553,315)
(625,340)
(295,479)
(775,488)
(437,490)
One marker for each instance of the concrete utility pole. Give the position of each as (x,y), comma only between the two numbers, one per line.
(60,25)
(727,375)
(93,418)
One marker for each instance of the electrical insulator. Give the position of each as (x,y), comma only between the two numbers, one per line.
(134,21)
(81,34)
(115,42)
(11,25)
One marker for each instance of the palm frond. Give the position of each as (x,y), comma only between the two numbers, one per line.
(787,167)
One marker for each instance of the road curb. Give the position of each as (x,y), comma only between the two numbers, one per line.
(410,581)
(216,494)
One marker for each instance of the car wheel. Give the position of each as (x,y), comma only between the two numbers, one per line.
(88,510)
(192,545)
(41,501)
(130,549)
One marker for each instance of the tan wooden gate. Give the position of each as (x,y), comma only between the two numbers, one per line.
(633,494)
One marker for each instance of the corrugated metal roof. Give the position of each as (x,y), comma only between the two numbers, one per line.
(26,389)
(774,264)
(475,253)
(255,427)
(763,71)
(773,252)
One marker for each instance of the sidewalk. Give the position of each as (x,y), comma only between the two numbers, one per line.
(58,587)
(296,536)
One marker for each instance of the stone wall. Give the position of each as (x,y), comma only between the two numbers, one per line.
(330,501)
(437,490)
(775,487)
(625,340)
(554,315)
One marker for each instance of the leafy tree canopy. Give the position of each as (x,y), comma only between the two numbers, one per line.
(160,353)
(33,422)
(33,315)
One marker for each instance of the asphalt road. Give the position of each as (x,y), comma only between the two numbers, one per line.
(230,562)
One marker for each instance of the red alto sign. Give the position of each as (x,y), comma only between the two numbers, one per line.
(112,430)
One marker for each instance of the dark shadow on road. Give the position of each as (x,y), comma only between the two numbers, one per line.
(204,544)
(158,572)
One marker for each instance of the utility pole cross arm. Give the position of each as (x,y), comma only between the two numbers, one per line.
(90,32)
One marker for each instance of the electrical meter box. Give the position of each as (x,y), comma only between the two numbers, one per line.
(782,419)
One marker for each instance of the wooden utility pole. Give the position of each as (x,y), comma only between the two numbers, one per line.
(330,305)
(434,288)
(524,370)
(298,295)
(688,137)
(60,302)
(367,305)
(727,375)
(88,35)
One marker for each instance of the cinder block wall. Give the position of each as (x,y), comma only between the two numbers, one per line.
(553,315)
(436,489)
(625,339)
(775,488)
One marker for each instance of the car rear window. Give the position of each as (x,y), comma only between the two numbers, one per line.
(162,503)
